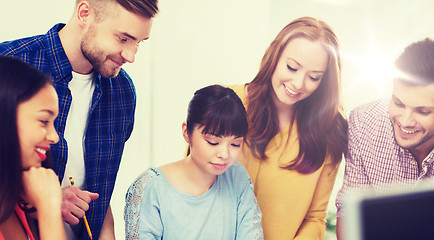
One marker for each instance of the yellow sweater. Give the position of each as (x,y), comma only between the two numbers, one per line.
(294,205)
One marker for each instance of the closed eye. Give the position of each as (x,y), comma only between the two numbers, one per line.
(423,111)
(236,145)
(398,103)
(291,68)
(212,143)
(314,78)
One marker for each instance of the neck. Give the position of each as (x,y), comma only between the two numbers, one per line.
(420,155)
(200,179)
(284,118)
(284,114)
(70,36)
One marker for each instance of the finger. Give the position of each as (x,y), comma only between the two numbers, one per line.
(72,200)
(92,195)
(86,195)
(80,194)
(68,217)
(77,212)
(83,195)
(69,207)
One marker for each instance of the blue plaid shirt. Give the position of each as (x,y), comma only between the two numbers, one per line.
(111,118)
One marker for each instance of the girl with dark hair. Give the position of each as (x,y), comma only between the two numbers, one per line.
(207,195)
(297,133)
(29,107)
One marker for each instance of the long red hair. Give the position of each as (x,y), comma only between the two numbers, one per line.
(321,126)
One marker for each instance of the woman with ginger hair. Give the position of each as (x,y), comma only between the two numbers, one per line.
(297,132)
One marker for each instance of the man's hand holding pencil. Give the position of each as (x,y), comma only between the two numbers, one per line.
(75,203)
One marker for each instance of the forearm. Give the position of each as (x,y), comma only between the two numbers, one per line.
(339,234)
(46,198)
(108,227)
(50,223)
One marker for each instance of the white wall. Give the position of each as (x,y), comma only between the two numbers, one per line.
(195,43)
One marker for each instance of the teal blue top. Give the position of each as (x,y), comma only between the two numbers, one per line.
(155,209)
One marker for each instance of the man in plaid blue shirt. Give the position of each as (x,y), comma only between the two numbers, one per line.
(96,101)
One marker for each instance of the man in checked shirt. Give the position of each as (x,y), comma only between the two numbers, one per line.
(390,143)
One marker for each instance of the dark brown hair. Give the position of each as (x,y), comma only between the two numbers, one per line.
(218,110)
(416,63)
(321,126)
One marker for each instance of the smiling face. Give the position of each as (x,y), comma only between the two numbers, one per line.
(114,40)
(213,155)
(411,111)
(298,72)
(35,118)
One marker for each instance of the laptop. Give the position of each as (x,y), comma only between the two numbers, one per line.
(406,215)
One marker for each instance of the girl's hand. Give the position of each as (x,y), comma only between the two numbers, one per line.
(42,188)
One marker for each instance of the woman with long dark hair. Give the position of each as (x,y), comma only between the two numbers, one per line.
(28,106)
(297,133)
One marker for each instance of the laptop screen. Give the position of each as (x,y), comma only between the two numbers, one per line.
(406,216)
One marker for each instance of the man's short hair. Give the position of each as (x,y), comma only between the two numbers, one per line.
(145,8)
(416,64)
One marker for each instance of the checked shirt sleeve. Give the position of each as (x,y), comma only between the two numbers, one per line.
(355,178)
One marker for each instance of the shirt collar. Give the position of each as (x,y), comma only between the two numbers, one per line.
(59,62)
(430,157)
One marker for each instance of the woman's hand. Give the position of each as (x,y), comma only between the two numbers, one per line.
(42,188)
(42,191)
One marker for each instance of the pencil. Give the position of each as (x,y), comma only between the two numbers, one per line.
(84,217)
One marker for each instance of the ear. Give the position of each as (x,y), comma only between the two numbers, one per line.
(83,12)
(185,132)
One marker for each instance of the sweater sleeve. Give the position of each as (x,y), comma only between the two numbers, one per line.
(313,225)
(142,210)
